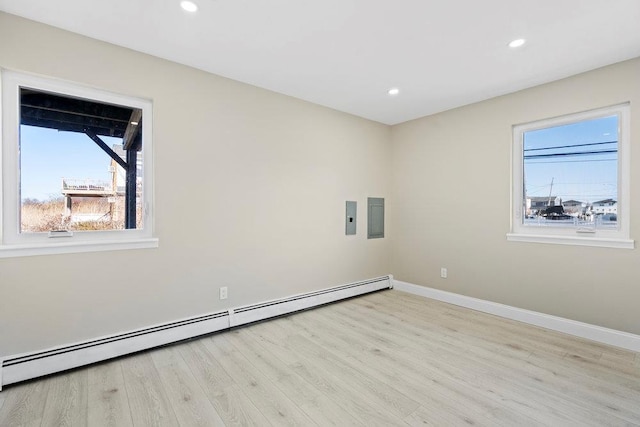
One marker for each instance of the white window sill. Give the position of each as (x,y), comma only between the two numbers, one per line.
(571,240)
(12,251)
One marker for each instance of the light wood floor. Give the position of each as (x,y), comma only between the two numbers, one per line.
(384,359)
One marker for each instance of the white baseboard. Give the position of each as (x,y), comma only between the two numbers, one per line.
(26,366)
(583,330)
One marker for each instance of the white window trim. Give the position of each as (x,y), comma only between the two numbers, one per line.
(15,244)
(619,238)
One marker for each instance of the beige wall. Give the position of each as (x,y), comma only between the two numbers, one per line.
(446,164)
(250,193)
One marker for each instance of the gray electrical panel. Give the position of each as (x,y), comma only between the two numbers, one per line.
(350,220)
(375,216)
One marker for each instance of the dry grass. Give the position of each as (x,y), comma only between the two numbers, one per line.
(43,216)
(37,216)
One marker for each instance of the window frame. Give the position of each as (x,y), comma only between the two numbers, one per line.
(619,238)
(15,243)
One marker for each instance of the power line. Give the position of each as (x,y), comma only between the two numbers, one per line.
(571,146)
(574,161)
(576,153)
(586,184)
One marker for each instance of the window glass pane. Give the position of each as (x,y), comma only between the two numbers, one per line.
(571,175)
(67,181)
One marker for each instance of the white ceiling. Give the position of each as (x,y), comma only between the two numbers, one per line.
(346,54)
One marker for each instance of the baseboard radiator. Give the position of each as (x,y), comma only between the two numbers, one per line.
(26,366)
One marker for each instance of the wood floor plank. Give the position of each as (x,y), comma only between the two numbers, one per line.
(592,373)
(24,403)
(624,362)
(190,404)
(610,396)
(274,338)
(409,320)
(148,400)
(108,401)
(584,369)
(67,400)
(446,415)
(274,405)
(476,341)
(314,403)
(232,404)
(612,393)
(434,392)
(448,320)
(397,365)
(510,383)
(396,401)
(538,338)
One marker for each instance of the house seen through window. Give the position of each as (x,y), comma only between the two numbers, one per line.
(80,164)
(570,174)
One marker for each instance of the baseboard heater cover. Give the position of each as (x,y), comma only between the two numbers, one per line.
(26,366)
(32,365)
(279,307)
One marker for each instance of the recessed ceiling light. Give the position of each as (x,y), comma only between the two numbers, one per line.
(393,91)
(517,43)
(189,6)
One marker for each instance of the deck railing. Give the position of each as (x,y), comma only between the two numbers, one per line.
(86,186)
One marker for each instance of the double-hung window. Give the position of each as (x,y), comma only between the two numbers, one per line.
(570,182)
(76,168)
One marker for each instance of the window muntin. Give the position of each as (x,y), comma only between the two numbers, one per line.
(571,176)
(80,125)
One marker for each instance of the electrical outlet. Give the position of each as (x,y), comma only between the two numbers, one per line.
(223,292)
(443,273)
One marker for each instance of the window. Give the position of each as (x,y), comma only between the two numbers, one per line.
(571,179)
(76,168)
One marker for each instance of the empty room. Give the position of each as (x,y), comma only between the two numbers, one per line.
(234,212)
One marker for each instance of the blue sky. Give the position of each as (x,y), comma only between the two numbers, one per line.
(47,155)
(582,177)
